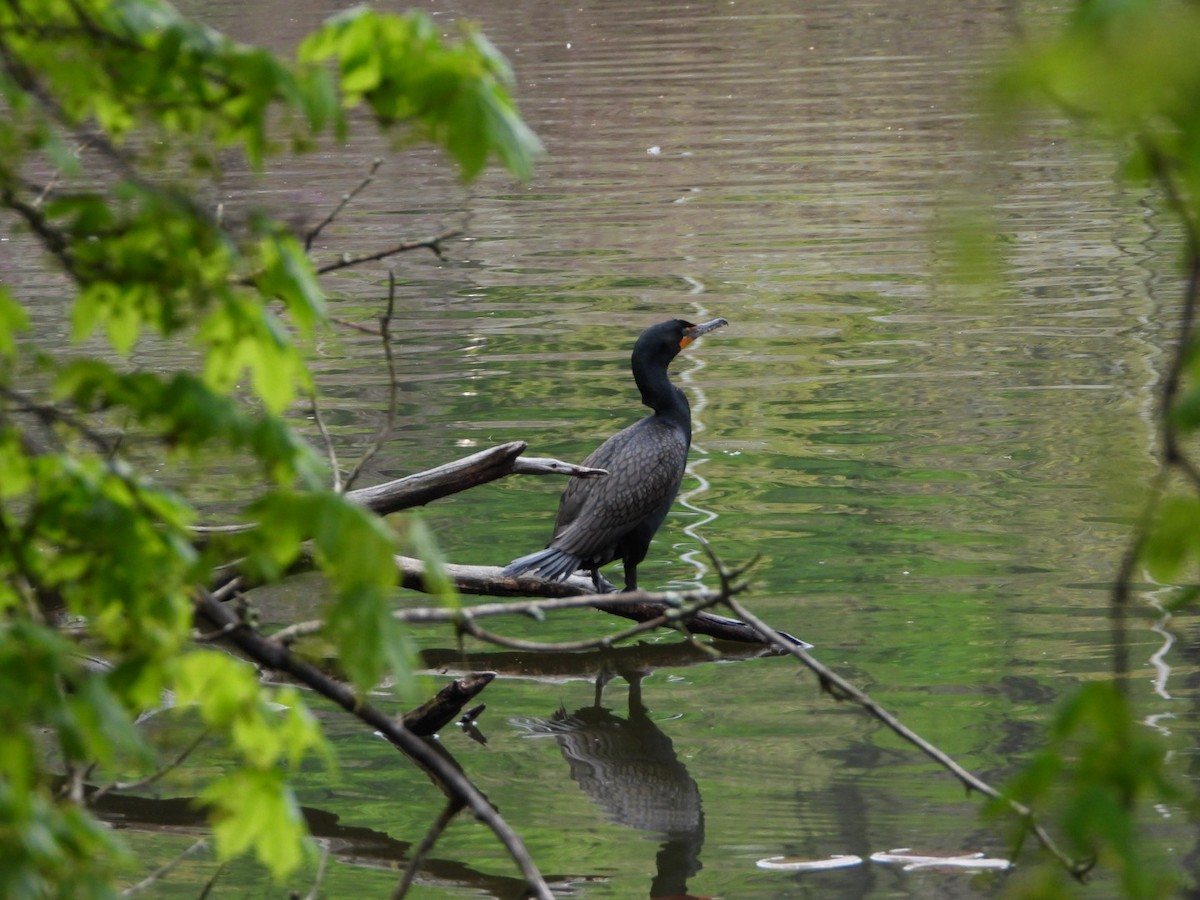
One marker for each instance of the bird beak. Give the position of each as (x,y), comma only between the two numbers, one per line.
(696,331)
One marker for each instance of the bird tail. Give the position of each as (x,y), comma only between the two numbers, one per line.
(551,563)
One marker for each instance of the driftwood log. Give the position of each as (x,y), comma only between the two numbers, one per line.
(461,475)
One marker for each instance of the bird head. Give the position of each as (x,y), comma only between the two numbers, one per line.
(662,342)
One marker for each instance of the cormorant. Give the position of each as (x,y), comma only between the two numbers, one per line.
(615,516)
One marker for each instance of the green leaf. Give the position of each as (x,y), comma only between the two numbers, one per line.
(241,335)
(453,92)
(288,274)
(253,809)
(13,319)
(427,550)
(1173,540)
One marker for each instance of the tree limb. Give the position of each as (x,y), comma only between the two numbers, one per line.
(385,338)
(841,689)
(347,199)
(432,243)
(274,655)
(460,475)
(454,477)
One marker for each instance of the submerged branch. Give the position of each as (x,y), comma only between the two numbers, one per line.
(841,689)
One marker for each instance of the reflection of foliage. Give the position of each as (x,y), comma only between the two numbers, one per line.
(1129,69)
(131,107)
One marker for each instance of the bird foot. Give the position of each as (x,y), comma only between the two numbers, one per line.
(602,584)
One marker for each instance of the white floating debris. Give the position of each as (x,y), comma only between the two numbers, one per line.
(654,151)
(913,861)
(792,864)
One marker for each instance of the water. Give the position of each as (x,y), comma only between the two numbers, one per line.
(938,476)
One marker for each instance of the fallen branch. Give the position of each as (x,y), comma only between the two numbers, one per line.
(273,655)
(640,606)
(454,477)
(840,689)
(462,474)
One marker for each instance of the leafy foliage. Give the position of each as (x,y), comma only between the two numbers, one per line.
(1128,70)
(133,107)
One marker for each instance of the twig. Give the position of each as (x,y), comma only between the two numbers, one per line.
(212,882)
(49,414)
(149,779)
(357,326)
(669,618)
(346,200)
(445,817)
(320,876)
(163,870)
(327,439)
(1173,456)
(537,609)
(385,337)
(433,244)
(839,688)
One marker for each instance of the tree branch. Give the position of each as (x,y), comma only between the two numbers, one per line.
(840,689)
(347,199)
(274,655)
(385,337)
(433,244)
(445,817)
(454,477)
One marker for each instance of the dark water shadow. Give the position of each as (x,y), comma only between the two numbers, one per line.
(348,844)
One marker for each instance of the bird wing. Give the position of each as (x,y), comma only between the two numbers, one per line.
(645,464)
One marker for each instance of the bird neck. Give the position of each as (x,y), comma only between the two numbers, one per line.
(662,396)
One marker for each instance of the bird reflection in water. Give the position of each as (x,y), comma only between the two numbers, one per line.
(628,767)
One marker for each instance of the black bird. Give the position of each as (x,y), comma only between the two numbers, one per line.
(614,517)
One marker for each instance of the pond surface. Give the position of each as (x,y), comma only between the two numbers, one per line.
(937,474)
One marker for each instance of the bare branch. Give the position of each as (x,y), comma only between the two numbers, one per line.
(445,817)
(452,478)
(327,439)
(385,337)
(671,617)
(163,870)
(433,244)
(346,200)
(275,656)
(841,689)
